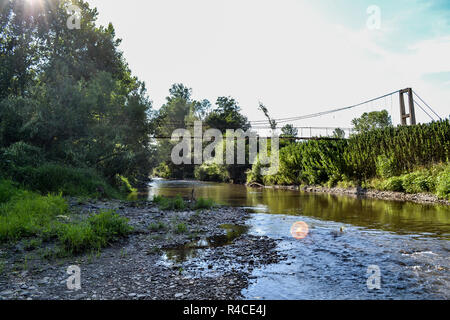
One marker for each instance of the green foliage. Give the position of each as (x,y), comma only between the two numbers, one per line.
(371,121)
(203,203)
(312,162)
(56,178)
(254,174)
(386,166)
(227,115)
(163,171)
(64,99)
(22,154)
(410,147)
(211,172)
(95,233)
(384,153)
(181,228)
(430,180)
(30,215)
(157,226)
(339,133)
(124,185)
(443,184)
(176,203)
(394,184)
(8,190)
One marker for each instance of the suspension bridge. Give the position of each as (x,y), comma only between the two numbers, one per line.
(407,117)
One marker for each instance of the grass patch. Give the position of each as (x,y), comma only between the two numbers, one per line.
(157,226)
(181,228)
(203,203)
(95,233)
(33,218)
(176,203)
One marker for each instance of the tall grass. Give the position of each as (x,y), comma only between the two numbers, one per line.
(26,215)
(95,233)
(55,178)
(176,203)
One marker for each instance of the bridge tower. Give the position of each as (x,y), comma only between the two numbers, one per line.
(412,114)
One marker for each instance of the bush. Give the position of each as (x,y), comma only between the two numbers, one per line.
(55,178)
(418,182)
(212,172)
(394,184)
(203,203)
(386,166)
(8,190)
(21,154)
(443,184)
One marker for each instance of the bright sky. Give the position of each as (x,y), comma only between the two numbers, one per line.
(296,56)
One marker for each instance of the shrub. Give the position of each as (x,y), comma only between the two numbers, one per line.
(418,182)
(212,172)
(8,190)
(443,184)
(55,178)
(394,184)
(21,154)
(386,166)
(203,203)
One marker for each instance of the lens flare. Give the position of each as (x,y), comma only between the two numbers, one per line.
(299,230)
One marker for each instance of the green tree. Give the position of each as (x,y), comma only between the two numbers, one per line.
(371,121)
(339,133)
(227,115)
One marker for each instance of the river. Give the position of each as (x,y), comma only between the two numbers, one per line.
(407,242)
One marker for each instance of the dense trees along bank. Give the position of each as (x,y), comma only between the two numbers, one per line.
(73,119)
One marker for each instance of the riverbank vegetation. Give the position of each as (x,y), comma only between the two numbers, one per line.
(410,159)
(73,119)
(36,221)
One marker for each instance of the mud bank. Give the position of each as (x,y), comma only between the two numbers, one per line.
(194,255)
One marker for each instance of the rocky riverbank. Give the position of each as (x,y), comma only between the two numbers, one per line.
(423,198)
(198,255)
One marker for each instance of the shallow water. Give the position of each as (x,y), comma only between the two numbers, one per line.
(408,242)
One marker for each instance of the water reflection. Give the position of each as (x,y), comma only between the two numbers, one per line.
(190,250)
(393,216)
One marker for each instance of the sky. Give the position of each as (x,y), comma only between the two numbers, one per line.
(296,56)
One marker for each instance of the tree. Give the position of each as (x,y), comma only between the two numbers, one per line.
(70,93)
(371,121)
(339,133)
(288,132)
(227,115)
(272,123)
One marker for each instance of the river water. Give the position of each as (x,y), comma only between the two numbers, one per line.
(408,243)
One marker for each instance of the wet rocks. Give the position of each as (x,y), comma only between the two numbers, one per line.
(141,268)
